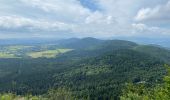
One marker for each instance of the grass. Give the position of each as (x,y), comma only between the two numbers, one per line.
(48,53)
(19,51)
(11,96)
(17,47)
(6,55)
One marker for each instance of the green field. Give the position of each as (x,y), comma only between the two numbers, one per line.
(19,51)
(6,55)
(17,47)
(48,53)
(13,51)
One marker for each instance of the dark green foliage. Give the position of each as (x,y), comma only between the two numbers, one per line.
(155,51)
(97,71)
(143,92)
(97,77)
(104,76)
(85,43)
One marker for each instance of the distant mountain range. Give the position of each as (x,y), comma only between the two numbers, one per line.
(91,68)
(153,41)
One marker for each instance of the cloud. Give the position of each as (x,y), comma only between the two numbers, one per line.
(90,4)
(65,10)
(99,18)
(158,13)
(17,22)
(149,31)
(140,27)
(79,18)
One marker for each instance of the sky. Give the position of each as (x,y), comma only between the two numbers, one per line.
(84,18)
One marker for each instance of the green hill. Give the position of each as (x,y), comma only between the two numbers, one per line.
(95,69)
(158,52)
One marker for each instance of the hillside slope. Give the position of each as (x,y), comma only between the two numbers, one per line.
(98,70)
(155,51)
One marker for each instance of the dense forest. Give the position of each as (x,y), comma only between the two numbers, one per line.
(83,69)
(143,92)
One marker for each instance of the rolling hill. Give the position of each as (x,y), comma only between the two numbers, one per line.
(94,69)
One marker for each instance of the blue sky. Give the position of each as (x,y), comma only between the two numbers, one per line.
(90,4)
(84,18)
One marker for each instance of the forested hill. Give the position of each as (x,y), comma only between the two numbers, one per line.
(87,68)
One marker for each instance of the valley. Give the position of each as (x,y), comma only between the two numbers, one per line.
(84,49)
(87,68)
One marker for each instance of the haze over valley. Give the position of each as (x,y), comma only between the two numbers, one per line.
(84,50)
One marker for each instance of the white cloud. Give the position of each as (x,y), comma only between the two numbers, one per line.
(66,10)
(113,18)
(149,31)
(16,22)
(139,26)
(158,13)
(99,18)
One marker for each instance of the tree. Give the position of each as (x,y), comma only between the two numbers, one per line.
(141,92)
(60,94)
